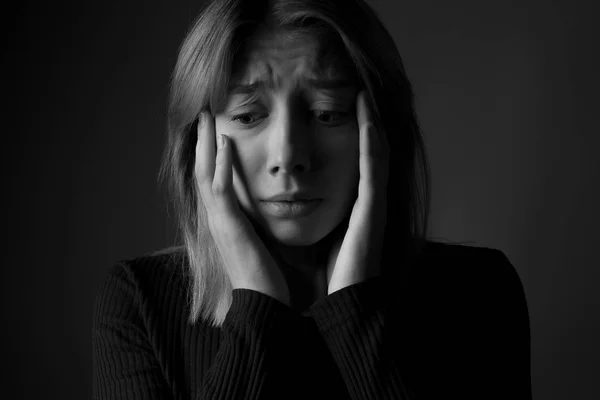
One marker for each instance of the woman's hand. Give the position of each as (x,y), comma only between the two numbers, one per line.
(248,262)
(356,252)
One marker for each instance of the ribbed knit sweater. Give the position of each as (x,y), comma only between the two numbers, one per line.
(454,325)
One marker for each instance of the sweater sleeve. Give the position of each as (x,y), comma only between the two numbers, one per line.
(257,337)
(259,333)
(490,359)
(355,325)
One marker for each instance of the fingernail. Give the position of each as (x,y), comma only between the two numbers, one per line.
(220,141)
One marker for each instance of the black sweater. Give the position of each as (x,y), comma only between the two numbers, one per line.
(454,325)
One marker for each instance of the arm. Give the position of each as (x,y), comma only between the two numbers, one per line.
(255,337)
(355,324)
(259,333)
(479,347)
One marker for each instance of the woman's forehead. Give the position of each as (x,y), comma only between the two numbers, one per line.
(277,60)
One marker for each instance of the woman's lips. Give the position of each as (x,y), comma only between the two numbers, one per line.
(290,209)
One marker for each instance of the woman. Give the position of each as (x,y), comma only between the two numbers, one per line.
(305,270)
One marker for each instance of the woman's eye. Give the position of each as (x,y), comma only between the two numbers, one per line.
(244,119)
(325,116)
(330,117)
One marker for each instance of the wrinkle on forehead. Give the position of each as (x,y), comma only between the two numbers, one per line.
(273,58)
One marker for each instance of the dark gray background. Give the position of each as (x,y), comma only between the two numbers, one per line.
(508,99)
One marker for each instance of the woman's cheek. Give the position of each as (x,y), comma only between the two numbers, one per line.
(246,175)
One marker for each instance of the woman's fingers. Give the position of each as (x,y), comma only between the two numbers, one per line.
(374,149)
(205,158)
(214,172)
(367,152)
(222,187)
(366,138)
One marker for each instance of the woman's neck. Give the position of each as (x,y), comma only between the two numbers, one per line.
(304,269)
(301,258)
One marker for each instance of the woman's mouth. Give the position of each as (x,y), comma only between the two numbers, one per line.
(290,209)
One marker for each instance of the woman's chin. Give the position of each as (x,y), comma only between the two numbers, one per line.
(294,234)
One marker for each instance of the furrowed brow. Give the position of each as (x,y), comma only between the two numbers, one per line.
(319,84)
(246,88)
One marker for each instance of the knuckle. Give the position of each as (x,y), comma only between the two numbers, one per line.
(204,187)
(218,188)
(202,178)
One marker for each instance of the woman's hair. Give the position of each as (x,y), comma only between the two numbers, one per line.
(204,67)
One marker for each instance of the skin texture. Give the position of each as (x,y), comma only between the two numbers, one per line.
(292,136)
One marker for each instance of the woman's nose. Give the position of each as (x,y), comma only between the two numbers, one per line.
(289,147)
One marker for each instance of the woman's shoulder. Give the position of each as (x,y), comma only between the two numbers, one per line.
(166,263)
(145,276)
(142,292)
(445,248)
(466,263)
(443,253)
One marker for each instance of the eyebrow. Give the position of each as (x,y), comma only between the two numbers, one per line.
(319,84)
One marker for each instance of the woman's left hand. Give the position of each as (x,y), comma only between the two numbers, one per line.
(356,253)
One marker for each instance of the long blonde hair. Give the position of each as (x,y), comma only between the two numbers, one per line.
(199,81)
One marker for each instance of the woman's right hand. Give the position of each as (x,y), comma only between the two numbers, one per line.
(247,260)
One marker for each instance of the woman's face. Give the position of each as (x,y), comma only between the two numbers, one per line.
(295,131)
